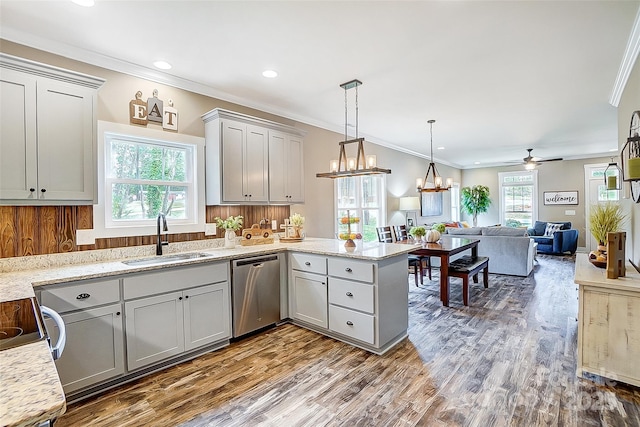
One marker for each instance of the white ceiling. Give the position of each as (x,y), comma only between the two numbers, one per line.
(498,77)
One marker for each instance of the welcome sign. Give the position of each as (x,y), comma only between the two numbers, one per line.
(560,197)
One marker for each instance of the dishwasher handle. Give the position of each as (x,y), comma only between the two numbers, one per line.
(255,260)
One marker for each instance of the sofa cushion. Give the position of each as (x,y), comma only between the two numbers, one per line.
(468,231)
(552,228)
(504,231)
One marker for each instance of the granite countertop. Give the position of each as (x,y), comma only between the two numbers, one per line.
(31,390)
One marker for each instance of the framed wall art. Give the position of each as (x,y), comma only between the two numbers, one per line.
(560,197)
(431,204)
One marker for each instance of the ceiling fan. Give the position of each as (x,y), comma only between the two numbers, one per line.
(531,162)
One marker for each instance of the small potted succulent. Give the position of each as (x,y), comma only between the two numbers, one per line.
(230,225)
(418,232)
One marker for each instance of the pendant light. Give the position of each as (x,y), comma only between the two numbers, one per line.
(436,179)
(352,166)
(612,176)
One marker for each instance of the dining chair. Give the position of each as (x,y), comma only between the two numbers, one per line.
(425,262)
(385,236)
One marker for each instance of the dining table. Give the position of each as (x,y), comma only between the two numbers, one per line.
(444,249)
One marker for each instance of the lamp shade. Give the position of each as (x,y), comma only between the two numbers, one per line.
(409,204)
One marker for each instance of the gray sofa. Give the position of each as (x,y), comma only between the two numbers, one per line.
(510,250)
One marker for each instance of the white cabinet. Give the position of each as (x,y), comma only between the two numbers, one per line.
(175,311)
(92,313)
(286,177)
(608,323)
(47,134)
(240,161)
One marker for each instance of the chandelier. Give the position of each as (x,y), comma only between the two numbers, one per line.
(352,166)
(436,179)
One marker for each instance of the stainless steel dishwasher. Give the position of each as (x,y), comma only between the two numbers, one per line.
(255,292)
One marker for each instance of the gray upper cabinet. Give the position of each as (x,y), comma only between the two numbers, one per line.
(251,160)
(47,134)
(286,180)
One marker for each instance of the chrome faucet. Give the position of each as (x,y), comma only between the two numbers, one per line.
(159,242)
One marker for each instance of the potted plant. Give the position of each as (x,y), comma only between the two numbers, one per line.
(418,232)
(230,225)
(297,221)
(475,200)
(605,218)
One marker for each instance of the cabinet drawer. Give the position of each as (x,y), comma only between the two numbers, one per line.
(309,263)
(174,279)
(358,296)
(351,269)
(81,295)
(353,324)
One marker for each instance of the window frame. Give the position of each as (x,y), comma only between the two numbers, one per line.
(534,198)
(104,226)
(359,209)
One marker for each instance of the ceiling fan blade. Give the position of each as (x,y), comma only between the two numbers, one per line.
(549,160)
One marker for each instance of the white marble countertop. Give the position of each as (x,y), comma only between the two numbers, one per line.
(31,390)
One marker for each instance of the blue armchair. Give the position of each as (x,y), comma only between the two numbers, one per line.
(563,240)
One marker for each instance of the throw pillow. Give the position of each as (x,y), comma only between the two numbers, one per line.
(552,228)
(465,224)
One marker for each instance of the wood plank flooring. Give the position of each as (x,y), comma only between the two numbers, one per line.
(509,359)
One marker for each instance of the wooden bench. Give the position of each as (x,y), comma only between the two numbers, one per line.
(467,266)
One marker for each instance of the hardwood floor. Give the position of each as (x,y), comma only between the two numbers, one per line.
(507,359)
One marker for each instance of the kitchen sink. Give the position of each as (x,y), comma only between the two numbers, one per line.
(164,259)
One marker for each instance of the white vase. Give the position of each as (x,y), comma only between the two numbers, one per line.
(229,239)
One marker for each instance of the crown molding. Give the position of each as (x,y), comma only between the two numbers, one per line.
(628,61)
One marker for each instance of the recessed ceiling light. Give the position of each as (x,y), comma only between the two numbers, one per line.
(85,3)
(439,148)
(476,163)
(270,74)
(163,65)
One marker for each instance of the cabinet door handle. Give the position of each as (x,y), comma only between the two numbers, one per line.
(117,313)
(348,270)
(32,189)
(43,190)
(83,296)
(323,283)
(180,298)
(349,294)
(186,297)
(307,263)
(349,322)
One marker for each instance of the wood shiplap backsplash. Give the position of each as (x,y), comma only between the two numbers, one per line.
(40,230)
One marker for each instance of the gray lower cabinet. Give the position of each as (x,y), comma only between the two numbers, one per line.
(94,349)
(361,302)
(92,313)
(308,294)
(160,326)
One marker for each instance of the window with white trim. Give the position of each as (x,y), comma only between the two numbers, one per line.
(518,198)
(145,177)
(363,197)
(142,172)
(455,201)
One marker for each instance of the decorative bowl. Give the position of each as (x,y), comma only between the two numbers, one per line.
(599,264)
